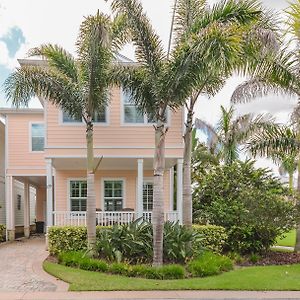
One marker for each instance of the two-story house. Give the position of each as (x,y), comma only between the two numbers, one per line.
(46,148)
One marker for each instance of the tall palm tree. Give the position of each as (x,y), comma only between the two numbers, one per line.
(79,86)
(260,38)
(231,132)
(162,81)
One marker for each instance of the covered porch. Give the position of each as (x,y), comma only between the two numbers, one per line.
(123,186)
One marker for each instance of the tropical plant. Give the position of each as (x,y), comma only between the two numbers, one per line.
(79,86)
(162,81)
(251,204)
(231,132)
(258,39)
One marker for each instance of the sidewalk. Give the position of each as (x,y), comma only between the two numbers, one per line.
(208,295)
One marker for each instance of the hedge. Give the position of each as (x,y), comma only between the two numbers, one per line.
(2,232)
(72,238)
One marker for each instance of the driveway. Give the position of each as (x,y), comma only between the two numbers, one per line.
(21,267)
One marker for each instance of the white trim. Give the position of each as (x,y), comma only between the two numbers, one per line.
(145,180)
(171,180)
(30,136)
(69,179)
(123,179)
(140,183)
(27,168)
(145,123)
(6,111)
(108,156)
(6,145)
(179,194)
(49,192)
(82,123)
(181,146)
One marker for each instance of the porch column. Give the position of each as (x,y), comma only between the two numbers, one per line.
(171,176)
(140,179)
(179,188)
(26,209)
(49,217)
(10,208)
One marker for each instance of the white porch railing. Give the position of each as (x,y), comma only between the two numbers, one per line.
(106,218)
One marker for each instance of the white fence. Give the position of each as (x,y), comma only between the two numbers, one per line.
(106,218)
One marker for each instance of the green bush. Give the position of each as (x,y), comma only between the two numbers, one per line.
(251,204)
(213,237)
(2,232)
(209,264)
(79,260)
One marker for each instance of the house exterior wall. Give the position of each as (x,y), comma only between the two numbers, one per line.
(114,138)
(63,178)
(21,160)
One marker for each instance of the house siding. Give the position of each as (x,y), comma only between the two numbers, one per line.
(2,173)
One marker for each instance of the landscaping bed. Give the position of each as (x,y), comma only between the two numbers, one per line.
(272,258)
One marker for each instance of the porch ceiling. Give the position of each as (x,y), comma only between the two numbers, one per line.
(107,163)
(37,181)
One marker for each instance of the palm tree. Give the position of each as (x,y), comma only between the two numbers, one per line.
(230,132)
(162,81)
(260,38)
(79,86)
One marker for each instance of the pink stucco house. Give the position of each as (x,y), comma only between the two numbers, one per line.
(45,148)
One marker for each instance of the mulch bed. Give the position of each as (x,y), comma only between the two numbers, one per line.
(52,259)
(274,258)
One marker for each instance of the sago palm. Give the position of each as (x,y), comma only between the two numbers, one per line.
(258,39)
(80,86)
(231,132)
(162,80)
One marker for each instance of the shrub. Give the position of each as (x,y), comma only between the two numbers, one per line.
(251,204)
(213,237)
(172,271)
(209,264)
(2,232)
(119,268)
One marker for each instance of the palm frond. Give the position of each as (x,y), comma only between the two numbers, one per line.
(293,20)
(149,50)
(209,131)
(28,81)
(57,58)
(94,44)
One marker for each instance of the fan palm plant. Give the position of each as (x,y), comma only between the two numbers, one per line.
(162,81)
(79,86)
(231,132)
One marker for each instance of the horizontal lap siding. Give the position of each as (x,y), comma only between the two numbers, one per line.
(113,134)
(130,177)
(19,154)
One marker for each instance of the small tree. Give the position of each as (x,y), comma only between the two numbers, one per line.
(250,203)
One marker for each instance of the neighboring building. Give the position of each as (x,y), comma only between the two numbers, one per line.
(18,194)
(47,149)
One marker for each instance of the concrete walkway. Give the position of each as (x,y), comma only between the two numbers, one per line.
(151,295)
(21,267)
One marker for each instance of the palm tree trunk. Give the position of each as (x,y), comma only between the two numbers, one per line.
(187,190)
(158,194)
(91,196)
(291,181)
(297,245)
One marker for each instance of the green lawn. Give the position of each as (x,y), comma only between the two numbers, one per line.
(251,278)
(289,240)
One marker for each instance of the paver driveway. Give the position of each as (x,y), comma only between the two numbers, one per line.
(21,267)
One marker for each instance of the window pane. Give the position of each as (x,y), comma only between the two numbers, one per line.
(113,195)
(68,119)
(100,116)
(127,98)
(75,205)
(83,189)
(148,196)
(37,137)
(132,115)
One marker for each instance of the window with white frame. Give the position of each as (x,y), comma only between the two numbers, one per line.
(78,195)
(113,195)
(99,117)
(131,113)
(147,195)
(37,137)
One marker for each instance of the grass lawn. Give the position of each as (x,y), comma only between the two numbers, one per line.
(251,278)
(289,240)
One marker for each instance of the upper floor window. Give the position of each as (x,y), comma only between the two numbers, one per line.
(99,117)
(37,137)
(131,113)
